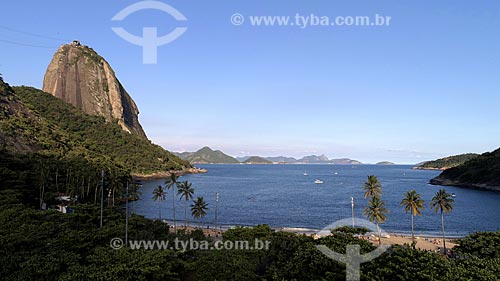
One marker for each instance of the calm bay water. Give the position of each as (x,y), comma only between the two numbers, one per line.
(281,196)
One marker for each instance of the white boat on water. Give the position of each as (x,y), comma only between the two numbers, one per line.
(318,181)
(305,173)
(453,195)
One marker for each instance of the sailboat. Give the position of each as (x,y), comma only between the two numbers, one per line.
(305,173)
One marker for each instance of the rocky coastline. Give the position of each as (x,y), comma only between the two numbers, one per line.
(163,175)
(447,182)
(431,168)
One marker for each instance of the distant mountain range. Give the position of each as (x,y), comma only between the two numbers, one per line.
(207,156)
(385,163)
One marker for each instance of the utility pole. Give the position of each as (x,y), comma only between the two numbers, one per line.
(216,208)
(352,207)
(102,195)
(126,217)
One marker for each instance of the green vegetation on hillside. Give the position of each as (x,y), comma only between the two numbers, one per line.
(480,244)
(447,162)
(257,160)
(207,155)
(481,170)
(34,121)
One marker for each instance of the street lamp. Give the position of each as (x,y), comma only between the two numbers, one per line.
(352,207)
(216,207)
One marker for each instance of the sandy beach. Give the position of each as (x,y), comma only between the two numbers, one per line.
(423,243)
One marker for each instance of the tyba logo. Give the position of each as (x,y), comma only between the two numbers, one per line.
(149,40)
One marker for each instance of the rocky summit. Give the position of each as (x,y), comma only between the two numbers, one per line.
(81,77)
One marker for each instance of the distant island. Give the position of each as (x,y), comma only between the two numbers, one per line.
(313,159)
(447,162)
(322,159)
(207,156)
(257,160)
(282,159)
(481,172)
(385,163)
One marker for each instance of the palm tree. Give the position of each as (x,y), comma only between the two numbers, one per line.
(443,202)
(413,203)
(159,193)
(372,187)
(199,208)
(170,183)
(186,192)
(375,212)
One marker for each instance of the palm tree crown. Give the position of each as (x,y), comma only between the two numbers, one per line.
(185,191)
(171,181)
(199,208)
(376,210)
(442,201)
(372,187)
(413,202)
(159,194)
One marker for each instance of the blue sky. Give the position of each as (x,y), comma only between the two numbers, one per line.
(424,87)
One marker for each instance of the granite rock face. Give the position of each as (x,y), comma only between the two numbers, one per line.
(79,76)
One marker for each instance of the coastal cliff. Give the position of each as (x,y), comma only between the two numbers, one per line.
(448,182)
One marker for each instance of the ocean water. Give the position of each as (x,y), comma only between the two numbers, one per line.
(281,196)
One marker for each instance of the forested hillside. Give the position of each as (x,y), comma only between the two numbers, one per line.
(34,121)
(481,172)
(447,162)
(207,155)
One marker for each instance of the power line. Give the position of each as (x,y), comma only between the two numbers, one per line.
(33,34)
(26,44)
